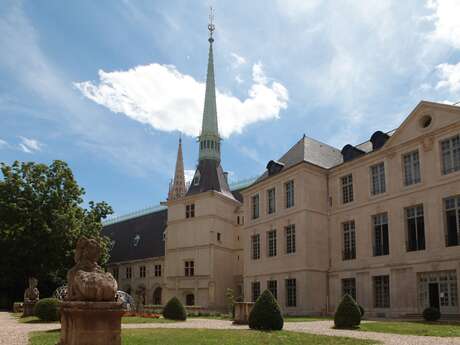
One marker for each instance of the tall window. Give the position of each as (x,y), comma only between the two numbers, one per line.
(381,243)
(255,206)
(289,192)
(142,271)
(452,207)
(450,151)
(255,247)
(381,291)
(255,290)
(129,273)
(115,273)
(349,240)
(272,286)
(291,293)
(349,287)
(290,239)
(415,228)
(271,239)
(411,168)
(190,211)
(189,268)
(347,188)
(271,201)
(378,185)
(157,270)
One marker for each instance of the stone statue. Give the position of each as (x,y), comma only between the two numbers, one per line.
(32,294)
(87,281)
(91,313)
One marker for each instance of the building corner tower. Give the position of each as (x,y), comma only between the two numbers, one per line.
(202,253)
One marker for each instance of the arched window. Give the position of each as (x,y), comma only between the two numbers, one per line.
(157,296)
(190,299)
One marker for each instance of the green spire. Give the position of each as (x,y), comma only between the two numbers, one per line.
(209,138)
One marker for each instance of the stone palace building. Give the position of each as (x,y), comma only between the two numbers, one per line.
(379,220)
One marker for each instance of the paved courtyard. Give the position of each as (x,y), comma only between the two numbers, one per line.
(15,333)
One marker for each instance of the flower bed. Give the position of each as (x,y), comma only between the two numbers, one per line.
(139,314)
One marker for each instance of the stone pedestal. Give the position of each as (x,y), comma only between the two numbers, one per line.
(242,310)
(91,323)
(28,308)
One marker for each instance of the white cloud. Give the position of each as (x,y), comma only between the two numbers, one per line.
(161,96)
(449,77)
(237,60)
(30,145)
(3,143)
(446,20)
(189,175)
(238,79)
(297,9)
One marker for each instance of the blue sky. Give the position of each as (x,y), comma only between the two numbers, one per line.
(108,85)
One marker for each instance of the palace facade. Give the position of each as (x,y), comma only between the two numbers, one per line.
(379,220)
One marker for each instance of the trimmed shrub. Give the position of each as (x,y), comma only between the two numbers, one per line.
(174,310)
(47,309)
(361,310)
(266,313)
(348,314)
(431,314)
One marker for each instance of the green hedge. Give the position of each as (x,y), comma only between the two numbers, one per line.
(348,314)
(431,314)
(174,310)
(266,313)
(47,309)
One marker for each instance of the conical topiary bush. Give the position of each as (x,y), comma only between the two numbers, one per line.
(266,313)
(347,314)
(174,310)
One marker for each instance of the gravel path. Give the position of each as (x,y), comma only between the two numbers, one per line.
(15,333)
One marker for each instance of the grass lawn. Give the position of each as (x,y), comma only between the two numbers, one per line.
(412,328)
(210,337)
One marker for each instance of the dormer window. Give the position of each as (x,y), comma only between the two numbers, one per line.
(274,167)
(136,240)
(196,178)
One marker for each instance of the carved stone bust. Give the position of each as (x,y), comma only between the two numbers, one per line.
(32,294)
(87,281)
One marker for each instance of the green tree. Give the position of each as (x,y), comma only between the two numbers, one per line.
(348,314)
(266,313)
(41,218)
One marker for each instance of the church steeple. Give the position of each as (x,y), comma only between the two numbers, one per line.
(177,188)
(209,138)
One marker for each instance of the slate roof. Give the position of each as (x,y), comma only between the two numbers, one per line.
(148,227)
(311,151)
(212,177)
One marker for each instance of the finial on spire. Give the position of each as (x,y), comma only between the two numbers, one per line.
(211,26)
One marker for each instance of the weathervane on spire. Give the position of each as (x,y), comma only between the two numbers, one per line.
(211,26)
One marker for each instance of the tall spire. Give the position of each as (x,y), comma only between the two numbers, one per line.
(177,188)
(209,138)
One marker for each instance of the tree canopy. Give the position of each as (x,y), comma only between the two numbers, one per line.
(41,218)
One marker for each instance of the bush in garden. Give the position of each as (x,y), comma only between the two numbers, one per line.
(266,313)
(348,314)
(431,314)
(47,309)
(361,310)
(174,310)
